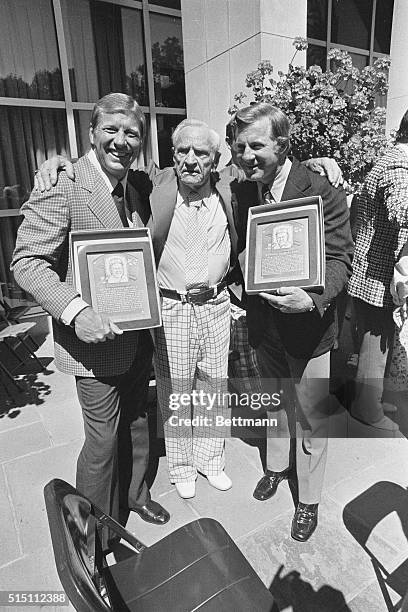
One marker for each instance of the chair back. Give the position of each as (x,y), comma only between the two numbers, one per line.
(383,500)
(77,548)
(4,322)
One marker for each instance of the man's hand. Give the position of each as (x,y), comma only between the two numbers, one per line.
(47,174)
(326,166)
(289,300)
(93,327)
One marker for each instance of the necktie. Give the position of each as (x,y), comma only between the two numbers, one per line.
(267,197)
(196,253)
(119,198)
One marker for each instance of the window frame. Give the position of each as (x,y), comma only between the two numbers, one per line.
(328,44)
(70,106)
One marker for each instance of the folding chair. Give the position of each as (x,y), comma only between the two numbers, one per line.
(14,334)
(197,567)
(13,313)
(362,515)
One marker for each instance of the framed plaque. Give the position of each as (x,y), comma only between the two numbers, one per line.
(114,272)
(285,246)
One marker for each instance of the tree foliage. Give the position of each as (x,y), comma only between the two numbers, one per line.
(333,113)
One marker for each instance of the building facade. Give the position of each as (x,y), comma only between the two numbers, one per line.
(176,57)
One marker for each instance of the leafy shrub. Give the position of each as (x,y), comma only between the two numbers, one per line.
(332,113)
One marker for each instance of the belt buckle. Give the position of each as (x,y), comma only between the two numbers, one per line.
(192,296)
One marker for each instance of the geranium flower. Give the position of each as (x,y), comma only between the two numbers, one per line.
(331,113)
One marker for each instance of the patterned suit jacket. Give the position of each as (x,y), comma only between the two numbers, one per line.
(163,202)
(308,334)
(382,228)
(42,263)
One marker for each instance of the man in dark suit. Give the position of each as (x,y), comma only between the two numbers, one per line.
(111,368)
(292,330)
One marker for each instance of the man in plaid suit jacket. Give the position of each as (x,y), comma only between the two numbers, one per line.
(382,230)
(112,368)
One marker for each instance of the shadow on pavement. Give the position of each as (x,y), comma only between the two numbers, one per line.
(291,590)
(363,514)
(31,388)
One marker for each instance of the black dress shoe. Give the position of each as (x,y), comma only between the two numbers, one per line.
(267,486)
(304,522)
(152,512)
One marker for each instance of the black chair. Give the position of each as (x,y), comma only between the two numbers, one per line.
(14,313)
(197,567)
(12,336)
(361,516)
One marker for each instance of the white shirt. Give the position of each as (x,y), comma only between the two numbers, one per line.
(279,182)
(171,270)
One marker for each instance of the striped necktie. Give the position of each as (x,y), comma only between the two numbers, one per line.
(196,252)
(267,197)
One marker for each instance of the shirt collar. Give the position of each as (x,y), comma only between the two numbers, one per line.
(279,182)
(110,181)
(184,200)
(182,196)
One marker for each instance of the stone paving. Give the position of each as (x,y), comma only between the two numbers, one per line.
(40,439)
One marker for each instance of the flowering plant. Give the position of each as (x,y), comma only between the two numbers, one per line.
(332,113)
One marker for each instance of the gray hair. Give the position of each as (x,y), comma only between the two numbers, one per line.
(214,138)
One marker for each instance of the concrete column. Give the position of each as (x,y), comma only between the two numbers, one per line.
(224,40)
(397,102)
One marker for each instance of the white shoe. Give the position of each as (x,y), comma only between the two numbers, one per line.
(186,490)
(221,481)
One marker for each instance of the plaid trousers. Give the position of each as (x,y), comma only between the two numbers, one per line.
(243,370)
(191,354)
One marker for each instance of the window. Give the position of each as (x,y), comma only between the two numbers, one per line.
(167,55)
(57,57)
(165,128)
(175,4)
(360,27)
(29,61)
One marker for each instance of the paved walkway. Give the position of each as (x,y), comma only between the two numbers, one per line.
(40,440)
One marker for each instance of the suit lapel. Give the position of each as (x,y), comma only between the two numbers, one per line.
(223,187)
(100,200)
(162,202)
(298,182)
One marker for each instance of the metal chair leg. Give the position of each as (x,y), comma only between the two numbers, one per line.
(24,343)
(13,351)
(33,342)
(6,389)
(10,376)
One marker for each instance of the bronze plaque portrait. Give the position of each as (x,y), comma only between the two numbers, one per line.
(114,271)
(285,246)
